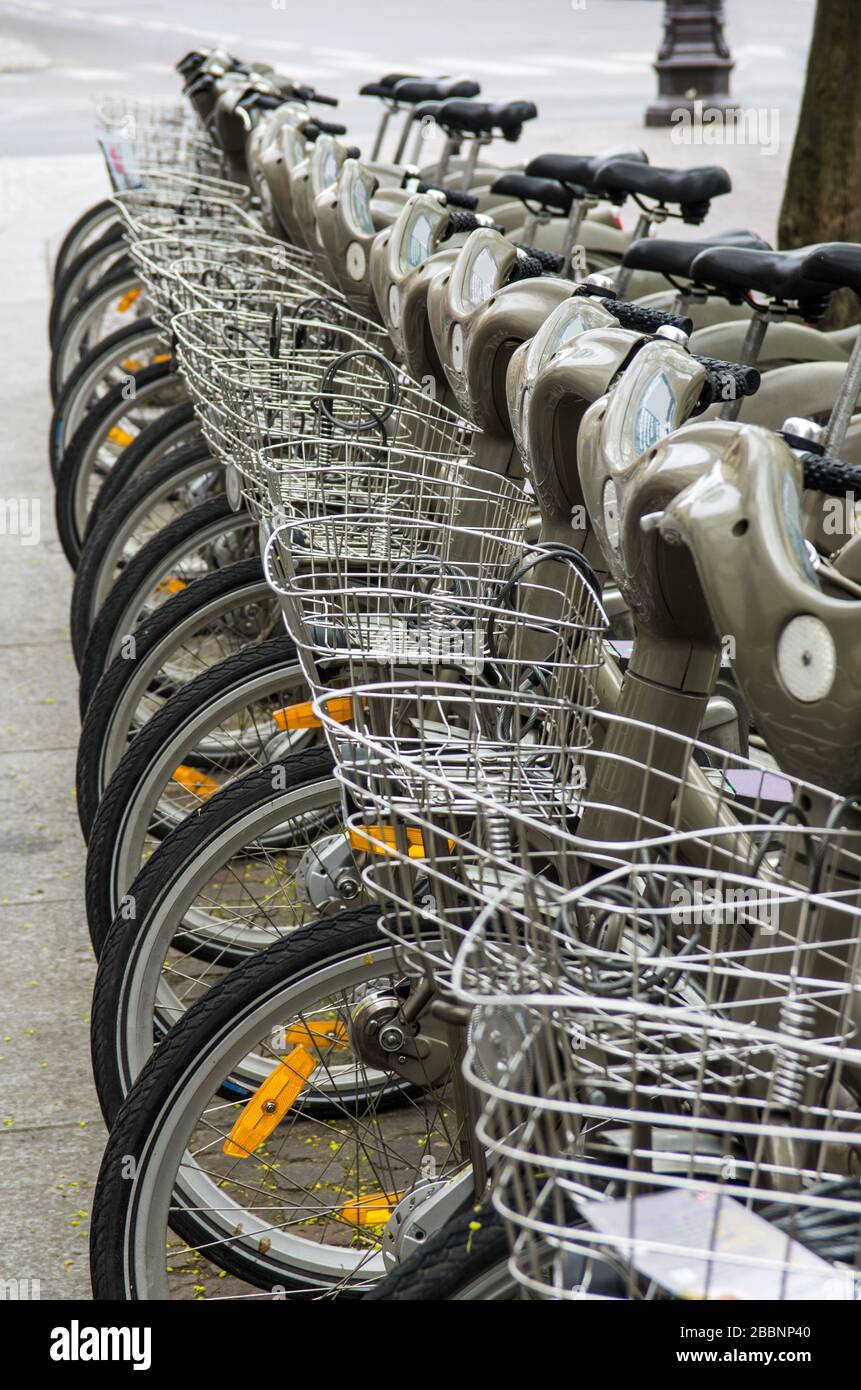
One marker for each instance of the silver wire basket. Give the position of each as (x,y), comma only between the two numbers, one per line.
(220,265)
(134,117)
(477,697)
(290,341)
(667,1051)
(136,135)
(329,417)
(127,155)
(170,198)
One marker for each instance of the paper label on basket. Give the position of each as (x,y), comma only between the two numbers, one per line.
(121,159)
(705,1245)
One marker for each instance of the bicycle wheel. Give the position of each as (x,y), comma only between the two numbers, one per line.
(467,1259)
(213,731)
(90,225)
(151,500)
(107,252)
(117,419)
(209,537)
(114,301)
(222,886)
(130,349)
(197,628)
(295,1217)
(173,428)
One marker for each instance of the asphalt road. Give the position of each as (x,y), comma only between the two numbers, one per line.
(580,60)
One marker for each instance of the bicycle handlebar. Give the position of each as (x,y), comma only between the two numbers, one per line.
(455,197)
(637,317)
(533,263)
(742,380)
(823,473)
(460,222)
(312,129)
(640,319)
(309,94)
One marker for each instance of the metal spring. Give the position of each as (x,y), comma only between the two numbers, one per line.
(797,1020)
(497,827)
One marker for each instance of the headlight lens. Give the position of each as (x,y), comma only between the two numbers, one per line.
(417,242)
(361,205)
(482,278)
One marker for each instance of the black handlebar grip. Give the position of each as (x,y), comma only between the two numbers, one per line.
(309,94)
(742,380)
(312,129)
(825,474)
(455,197)
(526,268)
(550,263)
(643,320)
(460,222)
(266,101)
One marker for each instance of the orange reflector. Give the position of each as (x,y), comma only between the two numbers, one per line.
(172,586)
(279,1092)
(195,781)
(382,839)
(120,436)
(132,364)
(373,1209)
(340,708)
(128,299)
(162,357)
(320,1032)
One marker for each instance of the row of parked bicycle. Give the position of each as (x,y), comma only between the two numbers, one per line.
(465,611)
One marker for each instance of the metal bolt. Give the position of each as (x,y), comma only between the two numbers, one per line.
(270,1107)
(391,1038)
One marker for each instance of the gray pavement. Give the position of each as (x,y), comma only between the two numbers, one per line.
(51,1135)
(589,70)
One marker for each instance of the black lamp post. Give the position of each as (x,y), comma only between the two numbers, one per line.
(693,62)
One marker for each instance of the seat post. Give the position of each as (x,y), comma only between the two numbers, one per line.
(451,146)
(476,144)
(645,222)
(750,350)
(417,140)
(846,403)
(579,208)
(385,117)
(694,294)
(531,223)
(404,135)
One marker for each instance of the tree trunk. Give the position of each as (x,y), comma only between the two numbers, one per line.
(820,200)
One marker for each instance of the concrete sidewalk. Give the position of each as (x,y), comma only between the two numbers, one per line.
(51,1135)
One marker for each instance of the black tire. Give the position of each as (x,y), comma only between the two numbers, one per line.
(143,574)
(88,259)
(115,279)
(233,674)
(173,429)
(193,459)
(472,1245)
(69,473)
(243,579)
(66,401)
(170,863)
(82,230)
(146,1110)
